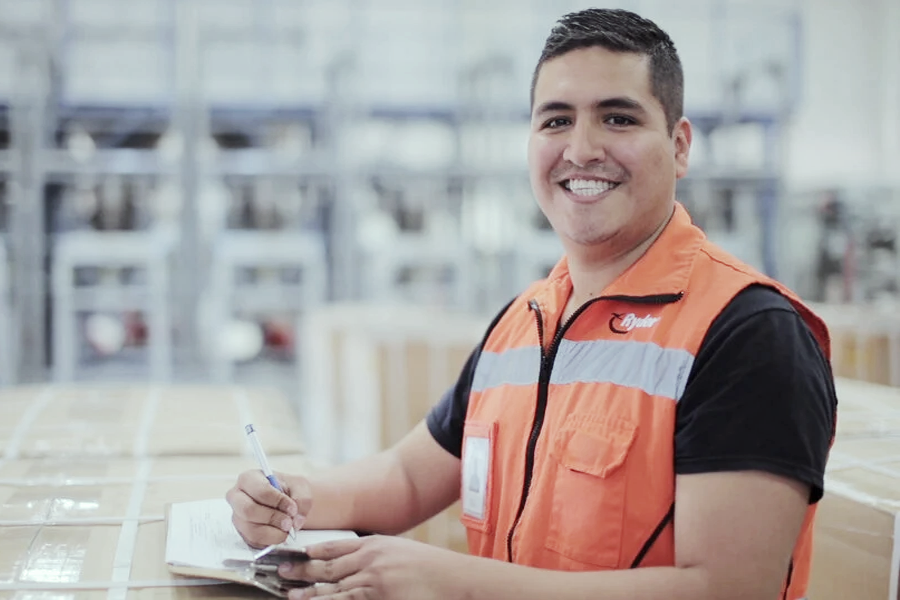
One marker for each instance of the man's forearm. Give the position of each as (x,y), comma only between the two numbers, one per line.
(368,495)
(496,580)
(389,492)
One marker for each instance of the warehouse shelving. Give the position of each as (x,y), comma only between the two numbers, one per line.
(209,71)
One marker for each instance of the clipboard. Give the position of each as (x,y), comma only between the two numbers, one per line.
(202,542)
(262,571)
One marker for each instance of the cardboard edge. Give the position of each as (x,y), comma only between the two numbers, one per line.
(895,561)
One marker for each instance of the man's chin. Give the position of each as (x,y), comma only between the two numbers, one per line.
(581,241)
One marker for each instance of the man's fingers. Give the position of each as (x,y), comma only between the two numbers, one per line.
(294,501)
(329,562)
(258,536)
(334,549)
(259,525)
(255,485)
(301,493)
(351,589)
(322,571)
(248,509)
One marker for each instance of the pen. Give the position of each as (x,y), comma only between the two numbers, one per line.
(263,462)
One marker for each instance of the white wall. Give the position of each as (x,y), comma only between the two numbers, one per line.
(890,160)
(840,131)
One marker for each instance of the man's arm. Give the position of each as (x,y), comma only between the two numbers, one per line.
(389,492)
(734,535)
(740,529)
(395,490)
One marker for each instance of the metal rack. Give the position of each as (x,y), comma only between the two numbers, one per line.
(234,71)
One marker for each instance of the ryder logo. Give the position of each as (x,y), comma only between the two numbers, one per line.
(622,323)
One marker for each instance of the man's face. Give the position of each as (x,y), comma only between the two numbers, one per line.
(603,165)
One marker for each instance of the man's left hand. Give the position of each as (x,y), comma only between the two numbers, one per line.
(373,568)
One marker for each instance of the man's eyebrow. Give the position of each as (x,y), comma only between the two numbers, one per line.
(622,102)
(553,106)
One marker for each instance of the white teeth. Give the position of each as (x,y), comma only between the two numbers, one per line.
(589,187)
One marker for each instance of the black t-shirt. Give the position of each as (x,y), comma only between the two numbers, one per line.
(760,396)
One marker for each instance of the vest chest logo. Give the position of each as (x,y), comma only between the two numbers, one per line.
(622,323)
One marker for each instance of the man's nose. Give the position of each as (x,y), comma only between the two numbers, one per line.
(585,144)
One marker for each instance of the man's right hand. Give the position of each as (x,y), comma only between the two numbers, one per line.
(263,515)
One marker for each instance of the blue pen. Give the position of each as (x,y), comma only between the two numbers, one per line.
(263,462)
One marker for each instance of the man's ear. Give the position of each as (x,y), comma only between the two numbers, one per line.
(682,135)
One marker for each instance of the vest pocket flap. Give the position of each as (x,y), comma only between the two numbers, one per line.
(598,450)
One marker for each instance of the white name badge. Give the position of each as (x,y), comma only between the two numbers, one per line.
(475,476)
(477,464)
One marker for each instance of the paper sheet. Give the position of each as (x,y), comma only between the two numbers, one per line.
(201,534)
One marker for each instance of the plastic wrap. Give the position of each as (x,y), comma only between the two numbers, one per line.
(857,533)
(132,421)
(86,473)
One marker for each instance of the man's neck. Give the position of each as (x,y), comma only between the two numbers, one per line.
(592,275)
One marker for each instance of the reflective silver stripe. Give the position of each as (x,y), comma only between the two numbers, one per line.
(649,367)
(656,370)
(520,366)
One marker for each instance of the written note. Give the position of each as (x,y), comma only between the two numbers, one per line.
(201,534)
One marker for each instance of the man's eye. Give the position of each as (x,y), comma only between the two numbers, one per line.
(620,120)
(556,122)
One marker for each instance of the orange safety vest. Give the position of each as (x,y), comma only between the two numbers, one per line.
(580,462)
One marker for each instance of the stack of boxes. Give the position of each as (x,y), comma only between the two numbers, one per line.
(371,373)
(86,473)
(857,537)
(865,341)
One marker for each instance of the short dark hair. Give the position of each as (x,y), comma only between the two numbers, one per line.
(622,31)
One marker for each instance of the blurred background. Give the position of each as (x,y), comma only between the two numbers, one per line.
(330,198)
(187,187)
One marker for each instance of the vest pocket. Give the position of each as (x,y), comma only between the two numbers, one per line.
(587,510)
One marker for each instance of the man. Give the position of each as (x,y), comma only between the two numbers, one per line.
(653,403)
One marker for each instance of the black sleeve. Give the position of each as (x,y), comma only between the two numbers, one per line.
(448,417)
(760,395)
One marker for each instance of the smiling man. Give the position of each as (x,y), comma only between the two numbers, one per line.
(651,421)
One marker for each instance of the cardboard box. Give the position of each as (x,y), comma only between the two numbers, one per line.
(857,534)
(111,421)
(92,528)
(865,341)
(86,472)
(371,373)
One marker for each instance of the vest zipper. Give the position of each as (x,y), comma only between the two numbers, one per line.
(653,537)
(547,358)
(787,583)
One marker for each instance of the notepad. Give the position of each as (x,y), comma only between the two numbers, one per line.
(201,541)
